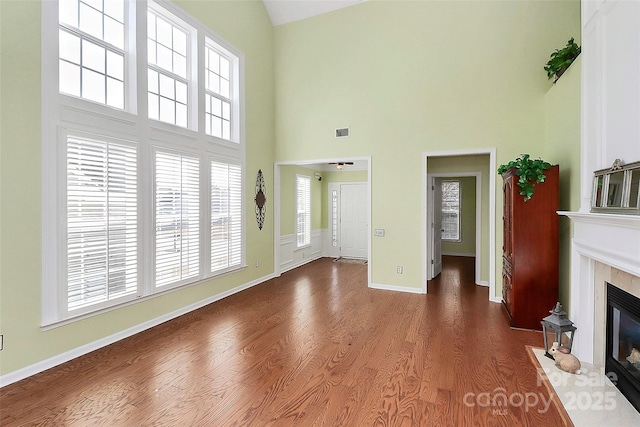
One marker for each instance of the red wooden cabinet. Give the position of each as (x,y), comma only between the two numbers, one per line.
(530,252)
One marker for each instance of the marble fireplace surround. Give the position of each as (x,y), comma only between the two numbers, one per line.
(605,248)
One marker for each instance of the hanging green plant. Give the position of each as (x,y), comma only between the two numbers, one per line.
(560,60)
(529,171)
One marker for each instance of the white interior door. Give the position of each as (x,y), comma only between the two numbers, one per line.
(436,224)
(354,227)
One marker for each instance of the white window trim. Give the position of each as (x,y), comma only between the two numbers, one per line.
(63,114)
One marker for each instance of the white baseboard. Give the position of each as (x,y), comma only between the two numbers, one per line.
(396,288)
(300,263)
(482,283)
(43,365)
(465,254)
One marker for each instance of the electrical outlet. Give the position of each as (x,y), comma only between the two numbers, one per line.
(257,263)
(399,269)
(378,232)
(1,342)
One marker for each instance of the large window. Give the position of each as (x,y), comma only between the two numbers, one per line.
(303,210)
(451,211)
(135,203)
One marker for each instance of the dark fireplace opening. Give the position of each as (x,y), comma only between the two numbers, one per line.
(622,362)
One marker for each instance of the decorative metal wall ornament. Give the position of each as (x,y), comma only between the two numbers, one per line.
(260,199)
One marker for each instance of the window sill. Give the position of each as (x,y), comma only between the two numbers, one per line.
(75,318)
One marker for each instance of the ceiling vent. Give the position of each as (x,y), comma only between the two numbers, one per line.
(343,133)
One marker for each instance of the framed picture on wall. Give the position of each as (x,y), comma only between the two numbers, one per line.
(617,189)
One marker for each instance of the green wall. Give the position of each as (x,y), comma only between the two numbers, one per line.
(562,137)
(288,198)
(410,77)
(467,243)
(246,25)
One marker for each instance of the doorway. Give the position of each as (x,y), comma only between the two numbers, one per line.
(481,164)
(455,210)
(353,177)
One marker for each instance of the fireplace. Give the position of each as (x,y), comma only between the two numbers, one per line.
(622,357)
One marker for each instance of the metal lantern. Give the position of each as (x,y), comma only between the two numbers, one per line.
(559,323)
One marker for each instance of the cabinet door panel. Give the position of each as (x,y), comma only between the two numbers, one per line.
(507,219)
(507,287)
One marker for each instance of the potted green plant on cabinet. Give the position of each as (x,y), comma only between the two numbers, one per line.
(529,171)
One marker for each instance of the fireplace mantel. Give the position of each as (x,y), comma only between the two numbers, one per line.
(611,239)
(601,245)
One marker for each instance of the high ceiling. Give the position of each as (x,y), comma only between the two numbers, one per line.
(285,11)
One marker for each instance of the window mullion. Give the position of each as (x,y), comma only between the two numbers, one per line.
(93,39)
(169,74)
(216,95)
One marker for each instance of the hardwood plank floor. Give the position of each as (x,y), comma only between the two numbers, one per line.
(314,347)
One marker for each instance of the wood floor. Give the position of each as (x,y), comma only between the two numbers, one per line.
(314,347)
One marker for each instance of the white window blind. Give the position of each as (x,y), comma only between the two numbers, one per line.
(102,221)
(451,210)
(92,50)
(177,218)
(226,216)
(303,210)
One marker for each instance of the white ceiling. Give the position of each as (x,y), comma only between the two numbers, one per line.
(285,11)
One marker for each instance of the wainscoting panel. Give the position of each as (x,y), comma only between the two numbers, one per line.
(292,257)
